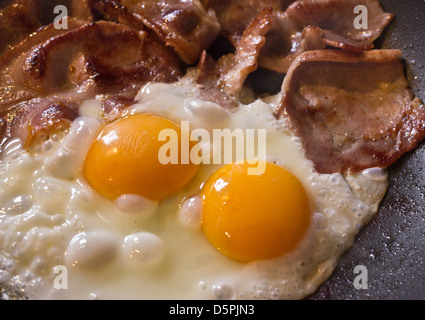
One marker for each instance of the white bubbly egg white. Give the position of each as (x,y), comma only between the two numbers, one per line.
(60,239)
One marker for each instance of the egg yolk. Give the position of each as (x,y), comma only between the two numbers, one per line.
(251,217)
(124,159)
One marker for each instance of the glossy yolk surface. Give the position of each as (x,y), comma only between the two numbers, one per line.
(251,217)
(124,159)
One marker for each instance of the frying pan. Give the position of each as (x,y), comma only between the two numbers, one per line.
(392,245)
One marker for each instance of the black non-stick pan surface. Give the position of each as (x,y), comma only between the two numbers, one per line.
(392,246)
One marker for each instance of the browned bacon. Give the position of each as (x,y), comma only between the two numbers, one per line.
(283,47)
(352,111)
(98,58)
(285,39)
(235,68)
(185,25)
(18,19)
(82,9)
(235,15)
(224,79)
(208,77)
(30,120)
(88,59)
(337,18)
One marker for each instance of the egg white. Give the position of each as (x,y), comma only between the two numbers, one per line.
(134,248)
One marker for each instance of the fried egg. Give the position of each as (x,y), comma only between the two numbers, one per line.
(92,214)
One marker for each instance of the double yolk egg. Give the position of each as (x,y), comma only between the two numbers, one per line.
(246,217)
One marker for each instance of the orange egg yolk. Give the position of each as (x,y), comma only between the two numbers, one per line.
(124,159)
(253,217)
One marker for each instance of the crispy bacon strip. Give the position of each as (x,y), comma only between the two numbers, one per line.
(285,39)
(282,49)
(208,77)
(235,68)
(352,111)
(224,79)
(11,92)
(20,18)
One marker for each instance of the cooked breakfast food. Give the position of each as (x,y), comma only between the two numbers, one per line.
(137,162)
